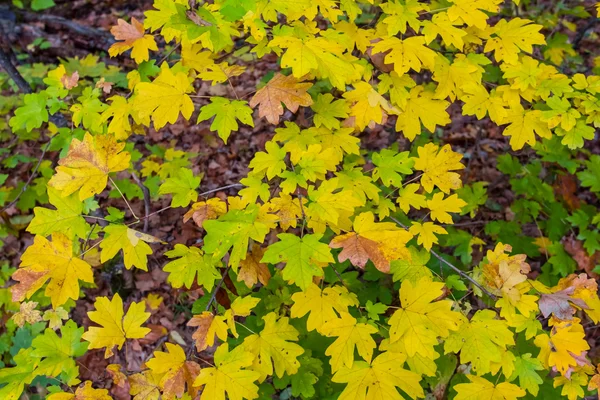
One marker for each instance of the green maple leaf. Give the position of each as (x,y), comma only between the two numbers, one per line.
(590,177)
(56,352)
(390,164)
(65,219)
(191,262)
(303,382)
(15,378)
(474,195)
(182,186)
(226,113)
(301,256)
(233,230)
(574,138)
(525,368)
(32,114)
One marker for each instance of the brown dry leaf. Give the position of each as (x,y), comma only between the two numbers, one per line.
(70,81)
(359,250)
(566,187)
(575,249)
(117,376)
(105,86)
(281,89)
(29,282)
(252,270)
(156,332)
(203,210)
(559,304)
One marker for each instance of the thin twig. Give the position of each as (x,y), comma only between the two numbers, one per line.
(33,175)
(220,188)
(455,268)
(214,295)
(146,193)
(123,197)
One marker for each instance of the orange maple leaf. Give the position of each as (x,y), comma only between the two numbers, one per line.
(281,89)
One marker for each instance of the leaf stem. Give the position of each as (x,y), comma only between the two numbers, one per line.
(455,268)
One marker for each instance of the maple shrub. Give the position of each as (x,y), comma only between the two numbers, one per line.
(331,271)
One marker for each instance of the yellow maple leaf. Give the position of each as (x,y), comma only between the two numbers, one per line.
(144,386)
(421,320)
(164,98)
(327,204)
(482,389)
(440,207)
(133,243)
(229,376)
(379,379)
(407,54)
(273,348)
(524,124)
(350,335)
(132,36)
(322,305)
(85,392)
(116,326)
(288,209)
(481,341)
(87,165)
(421,108)
(205,210)
(175,371)
(471,12)
(565,342)
(513,36)
(53,261)
(437,166)
(368,107)
(426,233)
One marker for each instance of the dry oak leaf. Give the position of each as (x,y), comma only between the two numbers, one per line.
(132,36)
(209,326)
(85,392)
(116,326)
(176,372)
(252,270)
(87,165)
(54,261)
(203,210)
(379,242)
(281,89)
